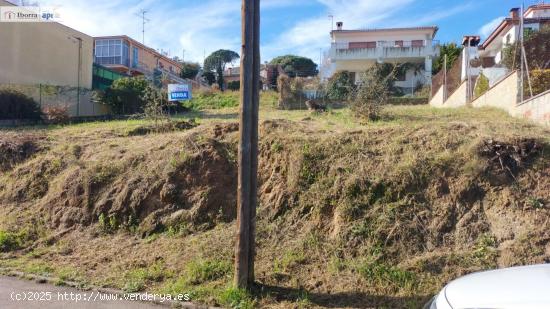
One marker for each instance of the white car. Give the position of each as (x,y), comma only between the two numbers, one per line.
(525,287)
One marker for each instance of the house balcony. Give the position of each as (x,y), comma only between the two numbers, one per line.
(391,51)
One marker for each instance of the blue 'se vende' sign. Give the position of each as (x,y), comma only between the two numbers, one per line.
(183,95)
(179,92)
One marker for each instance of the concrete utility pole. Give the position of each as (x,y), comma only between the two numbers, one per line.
(248,145)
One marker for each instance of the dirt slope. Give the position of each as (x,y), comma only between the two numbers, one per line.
(379,216)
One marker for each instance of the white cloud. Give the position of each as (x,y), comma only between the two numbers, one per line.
(309,36)
(488,28)
(204,27)
(200,27)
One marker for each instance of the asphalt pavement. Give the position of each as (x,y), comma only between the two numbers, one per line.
(23,294)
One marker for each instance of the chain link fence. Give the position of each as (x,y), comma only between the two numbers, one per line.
(78,103)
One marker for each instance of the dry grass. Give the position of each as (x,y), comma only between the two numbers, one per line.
(351,215)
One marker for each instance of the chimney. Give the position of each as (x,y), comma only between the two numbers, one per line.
(471,40)
(514,13)
(339,25)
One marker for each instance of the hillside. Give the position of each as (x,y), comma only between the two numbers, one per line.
(351,215)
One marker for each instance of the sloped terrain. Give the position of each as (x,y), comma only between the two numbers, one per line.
(377,215)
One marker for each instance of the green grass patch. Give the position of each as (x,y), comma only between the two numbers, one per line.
(382,275)
(10,241)
(208,270)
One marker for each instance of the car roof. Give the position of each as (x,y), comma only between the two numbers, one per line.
(525,287)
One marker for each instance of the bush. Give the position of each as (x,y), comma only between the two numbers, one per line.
(125,96)
(56,115)
(340,86)
(9,241)
(537,49)
(540,81)
(482,85)
(17,105)
(291,92)
(373,92)
(234,85)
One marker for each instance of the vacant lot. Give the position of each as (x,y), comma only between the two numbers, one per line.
(351,215)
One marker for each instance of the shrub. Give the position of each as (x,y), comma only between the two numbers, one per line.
(56,115)
(540,81)
(284,88)
(340,86)
(373,92)
(537,50)
(482,85)
(17,105)
(9,241)
(125,96)
(291,92)
(234,85)
(156,104)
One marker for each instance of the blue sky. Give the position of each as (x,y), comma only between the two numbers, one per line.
(288,26)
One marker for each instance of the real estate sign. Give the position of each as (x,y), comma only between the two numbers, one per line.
(179,92)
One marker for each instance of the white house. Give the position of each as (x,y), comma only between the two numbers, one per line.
(487,58)
(357,50)
(507,32)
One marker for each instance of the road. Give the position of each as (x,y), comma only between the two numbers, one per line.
(47,296)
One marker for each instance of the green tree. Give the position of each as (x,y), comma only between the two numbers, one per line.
(189,70)
(482,85)
(209,77)
(217,61)
(452,51)
(295,66)
(125,96)
(537,50)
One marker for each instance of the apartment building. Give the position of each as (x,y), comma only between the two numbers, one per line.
(357,50)
(33,53)
(126,55)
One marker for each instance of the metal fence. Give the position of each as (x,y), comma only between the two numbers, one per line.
(78,103)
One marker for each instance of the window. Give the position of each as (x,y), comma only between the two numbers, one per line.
(111,52)
(135,57)
(359,45)
(417,43)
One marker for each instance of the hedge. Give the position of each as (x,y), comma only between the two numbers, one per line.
(17,105)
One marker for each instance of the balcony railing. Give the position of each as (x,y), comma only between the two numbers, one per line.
(384,50)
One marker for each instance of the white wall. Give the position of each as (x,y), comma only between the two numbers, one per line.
(382,35)
(456,99)
(437,99)
(503,95)
(536,109)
